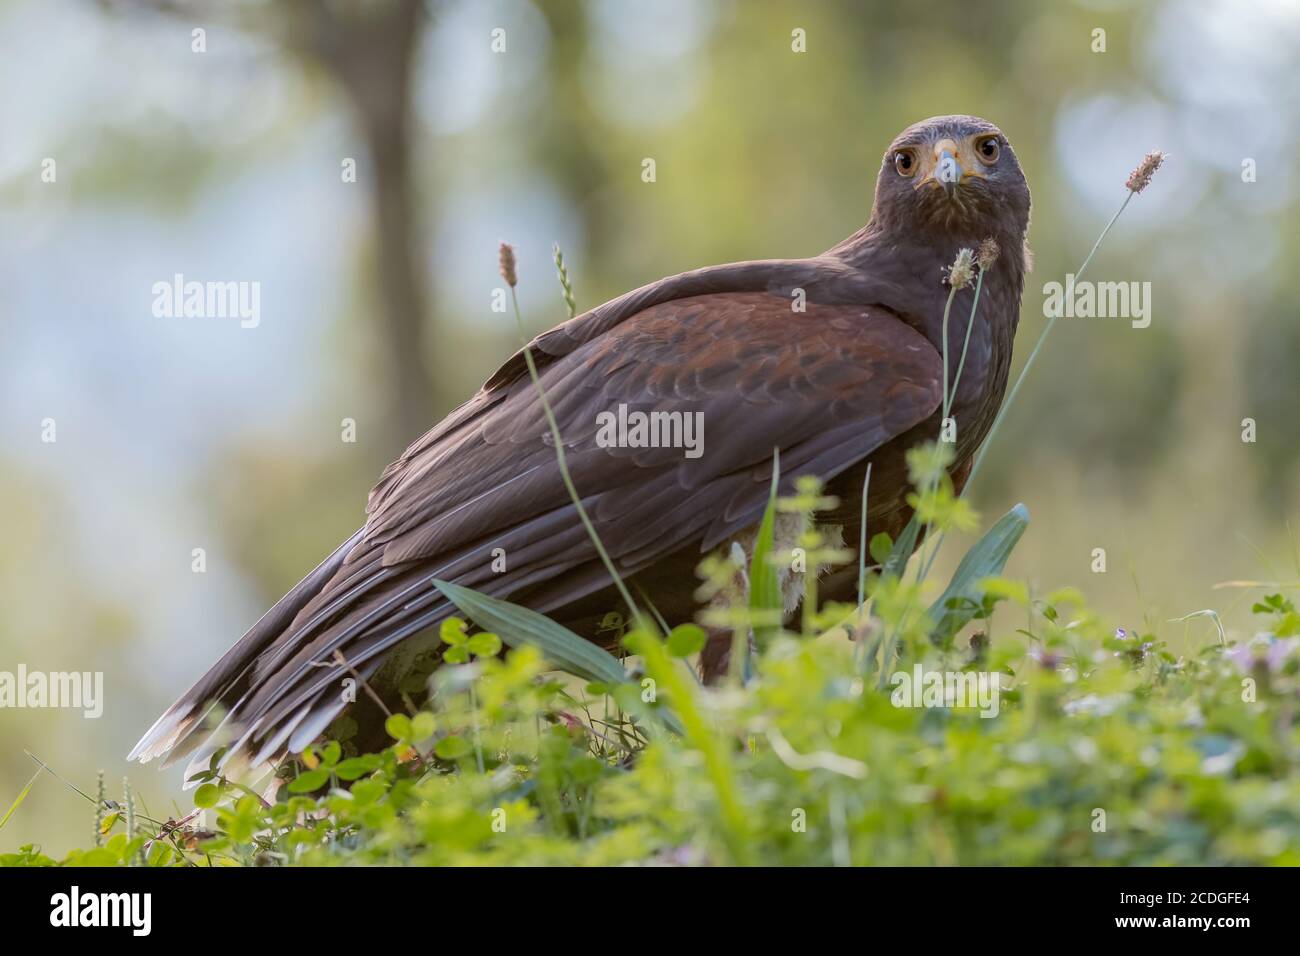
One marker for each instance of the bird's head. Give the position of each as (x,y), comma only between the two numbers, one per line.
(957,174)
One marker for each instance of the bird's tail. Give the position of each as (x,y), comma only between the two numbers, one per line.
(178,730)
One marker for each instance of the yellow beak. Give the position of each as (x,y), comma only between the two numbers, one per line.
(946,170)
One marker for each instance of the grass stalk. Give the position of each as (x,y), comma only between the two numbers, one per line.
(1038,346)
(665,672)
(1033,355)
(950,397)
(563,464)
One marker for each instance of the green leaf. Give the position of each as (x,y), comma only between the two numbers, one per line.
(685,640)
(423,726)
(116,845)
(451,748)
(356,767)
(902,550)
(518,625)
(986,559)
(161,854)
(880,546)
(484,644)
(309,781)
(458,654)
(766,603)
(332,753)
(100,856)
(399,727)
(452,631)
(1007,589)
(207,795)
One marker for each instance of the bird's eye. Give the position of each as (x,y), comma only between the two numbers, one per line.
(905,162)
(989,149)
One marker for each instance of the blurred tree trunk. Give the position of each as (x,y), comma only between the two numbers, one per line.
(369,50)
(571,146)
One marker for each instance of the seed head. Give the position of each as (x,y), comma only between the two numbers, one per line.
(508,264)
(988,254)
(1140,178)
(962,270)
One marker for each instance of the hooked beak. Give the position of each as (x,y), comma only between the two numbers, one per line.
(946,170)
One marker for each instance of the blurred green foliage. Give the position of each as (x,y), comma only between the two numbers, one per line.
(1098,746)
(1106,751)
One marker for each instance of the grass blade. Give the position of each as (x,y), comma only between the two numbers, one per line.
(986,559)
(19,802)
(518,625)
(902,550)
(766,604)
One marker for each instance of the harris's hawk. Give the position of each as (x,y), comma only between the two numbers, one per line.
(835,360)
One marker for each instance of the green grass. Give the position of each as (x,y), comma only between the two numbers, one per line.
(1106,749)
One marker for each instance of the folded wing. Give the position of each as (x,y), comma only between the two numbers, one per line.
(826,386)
